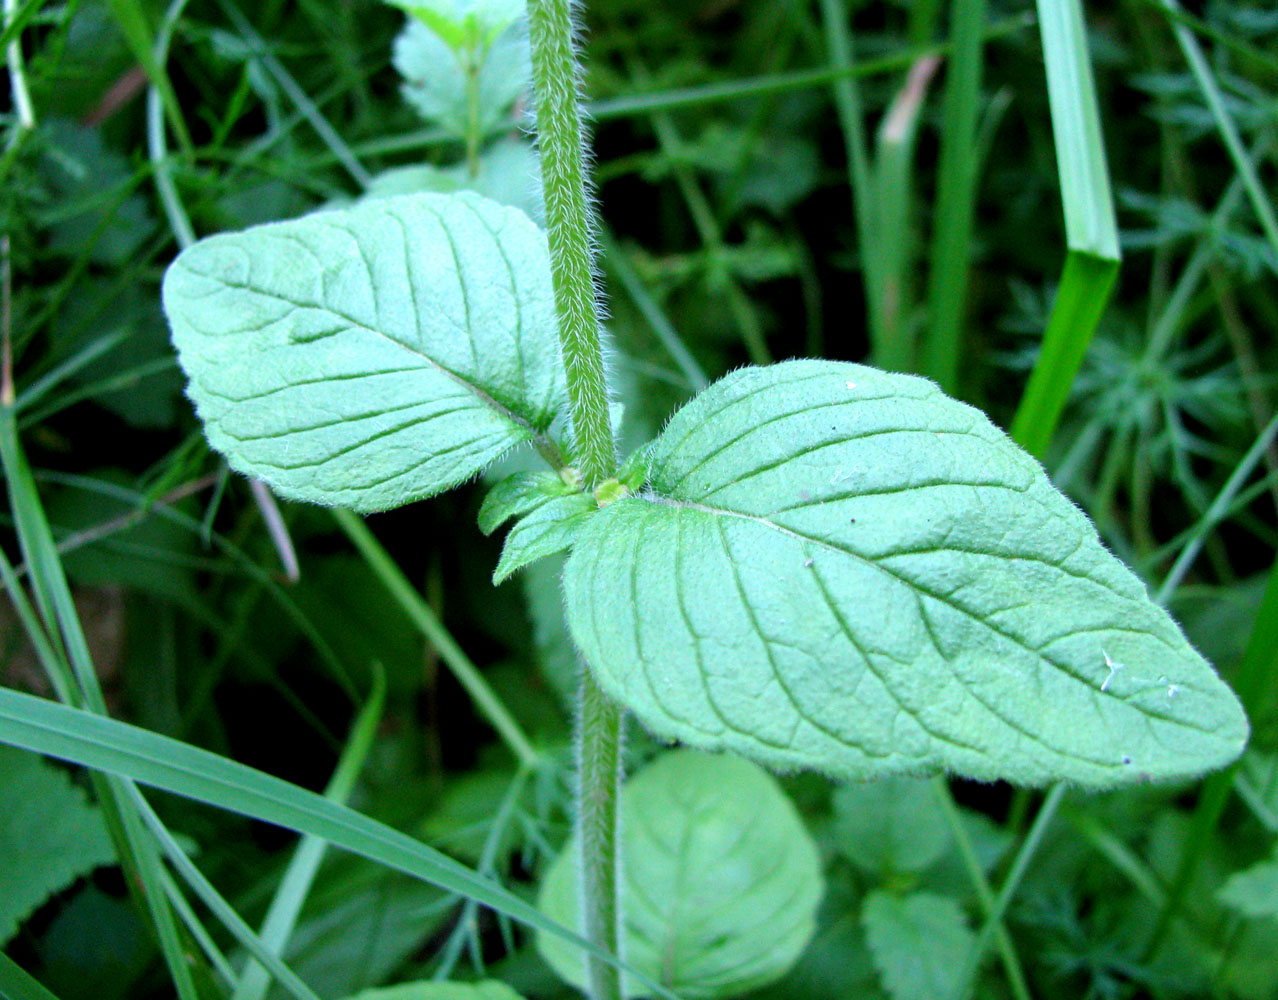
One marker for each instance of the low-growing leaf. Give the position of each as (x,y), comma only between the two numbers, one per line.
(1254,891)
(489,989)
(374,355)
(437,82)
(920,944)
(843,569)
(518,494)
(551,527)
(49,836)
(891,826)
(721,880)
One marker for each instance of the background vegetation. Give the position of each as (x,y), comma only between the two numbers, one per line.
(776,179)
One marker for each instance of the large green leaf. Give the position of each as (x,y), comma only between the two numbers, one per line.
(843,569)
(721,880)
(373,355)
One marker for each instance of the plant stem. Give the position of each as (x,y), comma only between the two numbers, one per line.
(569,235)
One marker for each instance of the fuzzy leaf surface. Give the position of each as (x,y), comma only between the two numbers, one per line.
(721,880)
(370,356)
(518,494)
(919,942)
(550,528)
(843,569)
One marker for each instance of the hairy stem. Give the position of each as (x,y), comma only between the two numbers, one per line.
(569,234)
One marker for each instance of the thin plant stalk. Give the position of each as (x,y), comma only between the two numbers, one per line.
(569,235)
(950,254)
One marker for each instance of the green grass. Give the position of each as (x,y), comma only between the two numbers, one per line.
(774,182)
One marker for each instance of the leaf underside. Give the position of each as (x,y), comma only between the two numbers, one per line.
(722,880)
(843,569)
(370,356)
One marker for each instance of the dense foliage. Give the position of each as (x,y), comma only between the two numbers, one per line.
(874,183)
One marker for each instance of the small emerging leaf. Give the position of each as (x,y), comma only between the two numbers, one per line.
(721,879)
(550,528)
(843,569)
(370,356)
(920,944)
(518,494)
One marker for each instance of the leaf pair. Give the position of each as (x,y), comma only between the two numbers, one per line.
(829,567)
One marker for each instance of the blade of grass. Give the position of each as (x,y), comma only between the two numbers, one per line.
(156,143)
(77,674)
(1020,864)
(1091,230)
(328,135)
(17,984)
(616,261)
(1225,126)
(981,886)
(131,18)
(147,758)
(19,94)
(211,898)
(703,219)
(779,83)
(950,252)
(424,617)
(838,39)
(281,915)
(892,208)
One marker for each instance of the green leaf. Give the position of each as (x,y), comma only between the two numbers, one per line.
(518,494)
(843,569)
(890,826)
(457,21)
(49,836)
(507,171)
(721,879)
(489,989)
(438,84)
(370,356)
(920,944)
(551,528)
(1253,892)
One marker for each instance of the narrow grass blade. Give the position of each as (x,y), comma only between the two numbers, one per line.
(615,261)
(17,984)
(1256,193)
(214,901)
(892,183)
(950,255)
(329,135)
(1091,230)
(838,40)
(281,916)
(149,759)
(1080,302)
(404,594)
(131,19)
(760,86)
